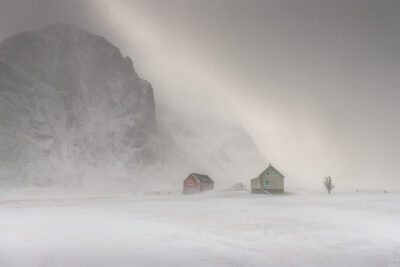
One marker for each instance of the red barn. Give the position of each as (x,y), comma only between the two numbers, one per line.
(196,183)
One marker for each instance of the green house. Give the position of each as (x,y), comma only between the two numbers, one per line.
(270,181)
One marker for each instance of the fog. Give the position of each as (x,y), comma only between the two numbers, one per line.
(314,82)
(94,152)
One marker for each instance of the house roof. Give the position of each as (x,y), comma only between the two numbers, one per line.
(272,167)
(202,178)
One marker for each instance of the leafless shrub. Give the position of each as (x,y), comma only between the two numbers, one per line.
(328,184)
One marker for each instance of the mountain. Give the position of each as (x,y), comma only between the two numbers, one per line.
(221,149)
(72,106)
(69,99)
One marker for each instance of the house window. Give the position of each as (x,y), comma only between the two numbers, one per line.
(266,182)
(190,182)
(267,173)
(274,173)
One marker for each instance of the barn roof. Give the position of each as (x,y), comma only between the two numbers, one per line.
(202,178)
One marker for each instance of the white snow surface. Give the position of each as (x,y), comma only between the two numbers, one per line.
(72,227)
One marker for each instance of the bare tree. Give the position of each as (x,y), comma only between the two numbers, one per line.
(328,184)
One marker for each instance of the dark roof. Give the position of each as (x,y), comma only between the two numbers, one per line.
(202,178)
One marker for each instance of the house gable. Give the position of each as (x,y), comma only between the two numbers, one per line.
(192,177)
(191,181)
(271,171)
(270,179)
(195,183)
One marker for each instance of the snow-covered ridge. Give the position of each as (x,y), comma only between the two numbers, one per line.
(69,99)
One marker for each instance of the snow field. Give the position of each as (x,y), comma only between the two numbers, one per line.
(211,229)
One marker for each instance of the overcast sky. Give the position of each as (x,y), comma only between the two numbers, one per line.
(315,82)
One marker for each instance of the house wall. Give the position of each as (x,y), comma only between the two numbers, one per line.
(275,182)
(255,183)
(205,186)
(191,185)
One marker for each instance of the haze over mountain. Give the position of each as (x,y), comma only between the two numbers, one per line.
(71,103)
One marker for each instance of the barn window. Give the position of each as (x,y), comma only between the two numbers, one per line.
(190,182)
(266,182)
(274,173)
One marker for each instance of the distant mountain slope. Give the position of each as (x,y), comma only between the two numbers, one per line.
(221,149)
(71,106)
(68,98)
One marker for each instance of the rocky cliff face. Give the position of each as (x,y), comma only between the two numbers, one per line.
(72,105)
(69,99)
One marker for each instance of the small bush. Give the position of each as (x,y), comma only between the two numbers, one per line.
(328,184)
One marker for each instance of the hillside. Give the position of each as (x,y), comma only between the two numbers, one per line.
(71,105)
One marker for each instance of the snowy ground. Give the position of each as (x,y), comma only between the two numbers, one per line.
(211,229)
